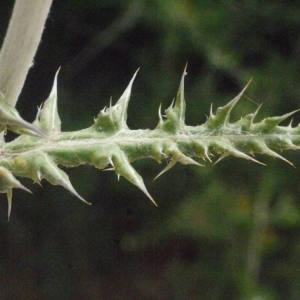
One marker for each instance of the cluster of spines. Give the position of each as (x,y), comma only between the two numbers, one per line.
(110,145)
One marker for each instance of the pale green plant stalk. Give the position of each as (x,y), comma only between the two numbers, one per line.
(108,143)
(20,45)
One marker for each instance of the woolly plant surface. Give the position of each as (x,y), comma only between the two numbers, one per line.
(108,144)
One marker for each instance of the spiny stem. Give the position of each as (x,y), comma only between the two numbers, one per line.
(109,144)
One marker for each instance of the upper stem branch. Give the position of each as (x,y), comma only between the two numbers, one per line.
(20,45)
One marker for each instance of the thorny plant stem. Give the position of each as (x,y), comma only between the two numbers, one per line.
(20,45)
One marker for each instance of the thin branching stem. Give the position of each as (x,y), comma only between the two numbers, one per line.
(261,219)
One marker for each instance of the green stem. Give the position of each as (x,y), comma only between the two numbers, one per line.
(261,216)
(20,45)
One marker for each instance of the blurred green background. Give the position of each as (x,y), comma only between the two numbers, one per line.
(229,231)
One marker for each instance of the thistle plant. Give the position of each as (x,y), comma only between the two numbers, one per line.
(108,144)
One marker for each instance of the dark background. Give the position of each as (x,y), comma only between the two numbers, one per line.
(229,231)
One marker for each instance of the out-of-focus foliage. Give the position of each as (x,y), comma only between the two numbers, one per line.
(229,231)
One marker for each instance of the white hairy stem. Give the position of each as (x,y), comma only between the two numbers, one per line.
(20,45)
